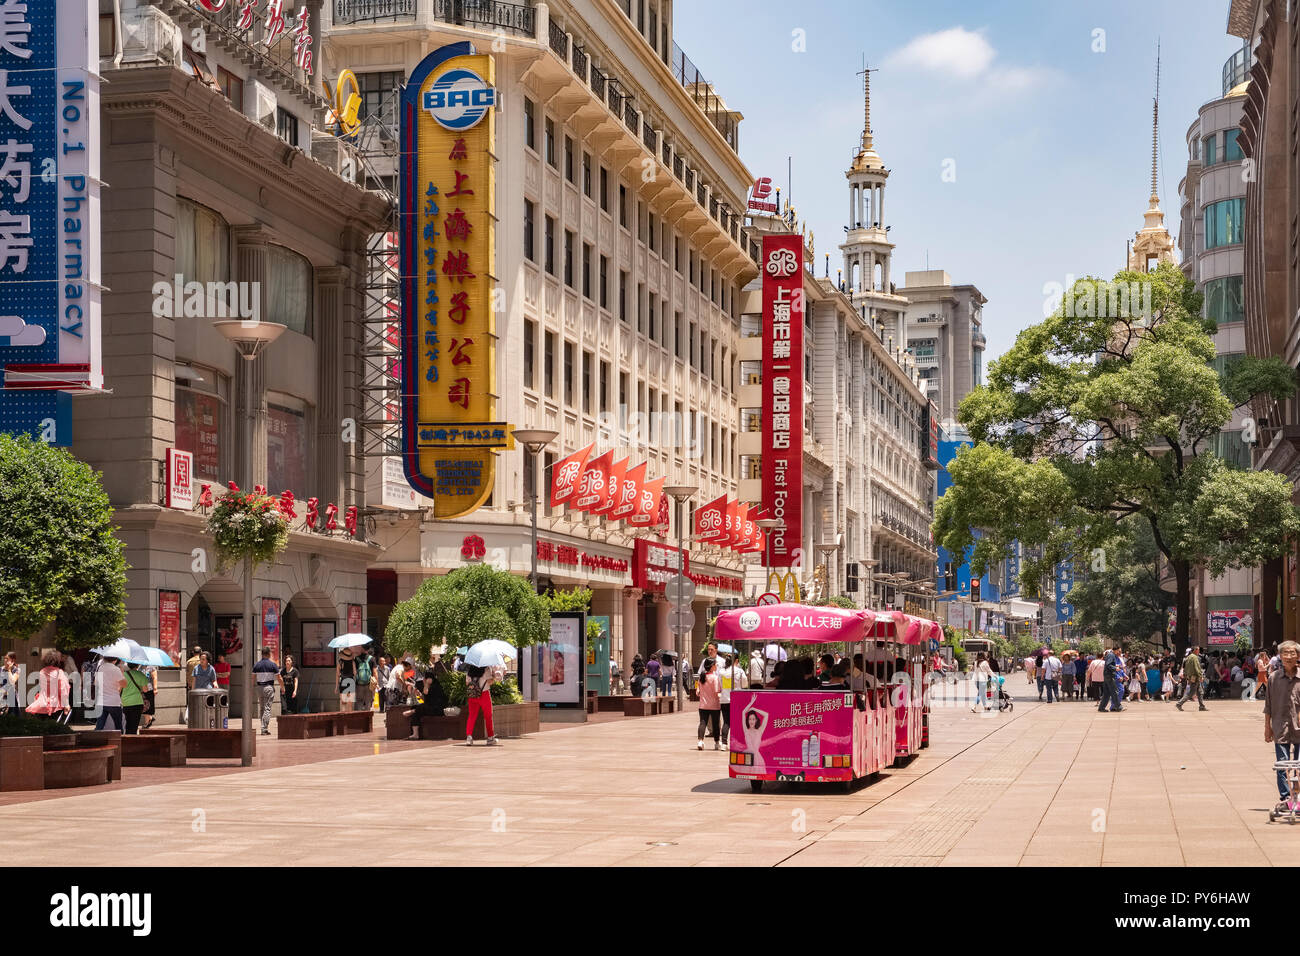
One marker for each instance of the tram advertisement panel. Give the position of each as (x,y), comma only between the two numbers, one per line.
(792,735)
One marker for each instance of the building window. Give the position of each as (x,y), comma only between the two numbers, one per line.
(550,245)
(286,445)
(202,244)
(568,158)
(622,205)
(286,126)
(622,389)
(530,124)
(694,353)
(652,329)
(530,228)
(1231,148)
(1223,223)
(604,189)
(1224,300)
(604,282)
(586,382)
(550,143)
(604,386)
(201,420)
(1209,150)
(586,175)
(288,289)
(640,307)
(530,338)
(232,86)
(653,231)
(548,371)
(568,258)
(586,269)
(622,295)
(568,373)
(678,335)
(677,254)
(379,96)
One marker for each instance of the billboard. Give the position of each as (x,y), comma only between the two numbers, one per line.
(561,662)
(448,216)
(782,449)
(1222,628)
(49,213)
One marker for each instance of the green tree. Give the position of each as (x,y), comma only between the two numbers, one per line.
(467,605)
(1092,417)
(59,559)
(1123,598)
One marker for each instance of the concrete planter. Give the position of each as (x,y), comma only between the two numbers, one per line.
(508,720)
(22,764)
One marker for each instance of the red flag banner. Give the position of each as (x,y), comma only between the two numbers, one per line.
(710,520)
(612,487)
(594,483)
(739,532)
(647,508)
(629,493)
(565,474)
(662,524)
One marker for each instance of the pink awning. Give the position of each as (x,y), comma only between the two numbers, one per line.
(795,624)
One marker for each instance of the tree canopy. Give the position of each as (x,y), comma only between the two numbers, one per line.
(1121,597)
(60,561)
(1107,409)
(467,605)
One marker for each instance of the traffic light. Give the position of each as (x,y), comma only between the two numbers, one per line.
(1040,615)
(851,578)
(974,590)
(949,578)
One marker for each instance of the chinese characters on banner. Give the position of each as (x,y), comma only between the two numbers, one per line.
(49,212)
(783,317)
(1224,627)
(448,325)
(169,623)
(354,619)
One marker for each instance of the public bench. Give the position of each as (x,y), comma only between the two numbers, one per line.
(206,742)
(327,724)
(646,707)
(610,703)
(80,766)
(153,750)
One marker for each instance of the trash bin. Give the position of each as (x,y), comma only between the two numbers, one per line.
(203,708)
(221,719)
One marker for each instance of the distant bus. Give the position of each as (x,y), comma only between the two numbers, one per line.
(975,645)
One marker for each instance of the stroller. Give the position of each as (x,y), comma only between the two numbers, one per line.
(1005,701)
(1291,769)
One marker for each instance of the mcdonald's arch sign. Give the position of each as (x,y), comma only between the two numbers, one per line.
(784,585)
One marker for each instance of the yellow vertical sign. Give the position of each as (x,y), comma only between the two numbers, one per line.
(449,328)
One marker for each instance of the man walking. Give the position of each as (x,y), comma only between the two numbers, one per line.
(1109,690)
(1281,723)
(266,675)
(1051,674)
(1192,674)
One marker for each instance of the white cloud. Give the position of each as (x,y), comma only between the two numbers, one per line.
(957,52)
(966,55)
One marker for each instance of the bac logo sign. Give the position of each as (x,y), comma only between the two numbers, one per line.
(459,100)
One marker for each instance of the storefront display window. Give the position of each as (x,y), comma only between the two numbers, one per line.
(201,421)
(286,447)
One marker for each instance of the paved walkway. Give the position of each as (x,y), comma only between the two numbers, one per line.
(1052,784)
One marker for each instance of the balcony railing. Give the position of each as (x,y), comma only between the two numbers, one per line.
(689,76)
(278,58)
(630,116)
(597,83)
(579,61)
(559,40)
(514,17)
(1236,69)
(355,11)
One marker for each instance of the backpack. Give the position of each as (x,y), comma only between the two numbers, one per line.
(363,670)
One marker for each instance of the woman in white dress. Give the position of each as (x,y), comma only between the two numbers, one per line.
(983,674)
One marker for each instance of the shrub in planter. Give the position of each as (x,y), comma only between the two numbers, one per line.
(21,725)
(503,692)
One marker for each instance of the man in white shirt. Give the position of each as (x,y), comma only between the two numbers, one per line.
(109,683)
(757,674)
(1052,676)
(731,677)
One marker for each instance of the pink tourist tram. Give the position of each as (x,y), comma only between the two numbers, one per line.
(830,735)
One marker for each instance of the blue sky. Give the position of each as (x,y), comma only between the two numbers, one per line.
(1051,141)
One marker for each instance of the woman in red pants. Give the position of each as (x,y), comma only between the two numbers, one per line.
(478,686)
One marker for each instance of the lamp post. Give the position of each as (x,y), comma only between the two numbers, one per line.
(870,564)
(768,524)
(251,339)
(680,495)
(534,440)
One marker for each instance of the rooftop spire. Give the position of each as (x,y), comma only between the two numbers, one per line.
(1155,131)
(866,104)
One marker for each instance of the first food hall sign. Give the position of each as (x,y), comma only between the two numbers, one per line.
(783,318)
(448,326)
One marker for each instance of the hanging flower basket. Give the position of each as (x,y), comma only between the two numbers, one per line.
(247,524)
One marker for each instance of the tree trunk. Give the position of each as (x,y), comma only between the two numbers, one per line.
(1183,575)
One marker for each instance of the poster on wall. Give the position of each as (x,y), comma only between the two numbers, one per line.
(230,640)
(169,624)
(354,619)
(316,637)
(560,662)
(1224,627)
(271,626)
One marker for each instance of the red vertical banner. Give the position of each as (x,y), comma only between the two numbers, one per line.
(783,317)
(613,485)
(169,623)
(647,512)
(628,495)
(593,486)
(271,627)
(710,521)
(565,474)
(354,619)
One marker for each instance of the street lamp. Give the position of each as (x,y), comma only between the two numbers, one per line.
(533,440)
(251,339)
(870,565)
(768,524)
(680,495)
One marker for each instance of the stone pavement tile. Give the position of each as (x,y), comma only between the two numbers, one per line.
(1066,858)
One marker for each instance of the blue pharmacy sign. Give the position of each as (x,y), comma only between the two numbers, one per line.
(49,213)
